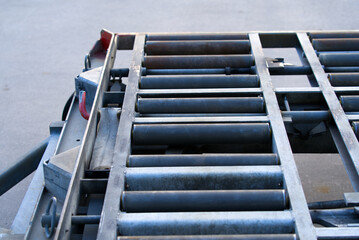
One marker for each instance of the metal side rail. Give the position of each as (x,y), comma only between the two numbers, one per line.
(197,138)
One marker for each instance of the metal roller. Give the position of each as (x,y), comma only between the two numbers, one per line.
(339,59)
(350,103)
(201,105)
(187,37)
(199,71)
(215,237)
(188,201)
(336,44)
(202,223)
(198,47)
(344,79)
(286,70)
(315,35)
(202,160)
(341,69)
(203,178)
(355,126)
(167,134)
(307,116)
(199,81)
(195,61)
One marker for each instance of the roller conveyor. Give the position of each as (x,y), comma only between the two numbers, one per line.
(341,66)
(196,139)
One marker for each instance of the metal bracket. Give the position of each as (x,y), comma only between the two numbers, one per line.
(351,199)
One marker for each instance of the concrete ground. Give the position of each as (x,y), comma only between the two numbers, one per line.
(43,44)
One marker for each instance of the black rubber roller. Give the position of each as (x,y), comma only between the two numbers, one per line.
(183,134)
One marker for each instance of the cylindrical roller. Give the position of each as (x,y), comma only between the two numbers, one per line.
(344,79)
(199,71)
(199,81)
(189,201)
(332,204)
(336,44)
(203,178)
(291,70)
(339,59)
(307,116)
(355,126)
(202,223)
(215,237)
(195,61)
(201,105)
(188,37)
(202,160)
(287,70)
(315,35)
(184,134)
(350,103)
(76,220)
(197,47)
(341,69)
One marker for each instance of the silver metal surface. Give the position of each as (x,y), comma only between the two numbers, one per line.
(184,168)
(108,226)
(303,223)
(205,223)
(70,204)
(203,178)
(351,144)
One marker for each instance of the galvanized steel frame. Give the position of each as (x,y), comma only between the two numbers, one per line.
(351,145)
(71,201)
(111,209)
(303,222)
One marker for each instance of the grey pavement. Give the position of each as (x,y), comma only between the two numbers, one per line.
(43,43)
